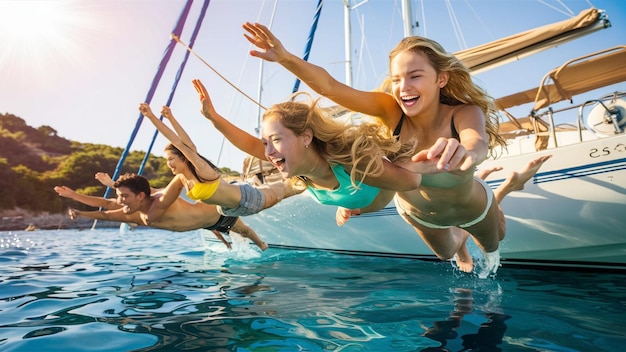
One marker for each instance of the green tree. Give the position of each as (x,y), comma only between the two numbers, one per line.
(8,178)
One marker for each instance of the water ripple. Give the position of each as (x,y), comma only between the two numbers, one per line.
(151,290)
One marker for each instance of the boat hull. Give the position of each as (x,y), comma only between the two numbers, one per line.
(572,213)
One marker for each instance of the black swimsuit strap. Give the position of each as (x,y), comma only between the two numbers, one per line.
(455,133)
(396,131)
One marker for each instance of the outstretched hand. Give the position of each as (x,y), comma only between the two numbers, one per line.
(262,38)
(64,191)
(72,213)
(449,154)
(145,109)
(105,179)
(166,112)
(208,110)
(343,215)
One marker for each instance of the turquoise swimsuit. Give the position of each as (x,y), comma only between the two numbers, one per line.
(346,195)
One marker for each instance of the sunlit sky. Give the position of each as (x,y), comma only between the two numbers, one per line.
(82,67)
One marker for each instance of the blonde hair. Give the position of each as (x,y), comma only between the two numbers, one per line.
(460,88)
(359,147)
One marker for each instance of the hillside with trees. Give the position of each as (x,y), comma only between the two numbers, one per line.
(34,160)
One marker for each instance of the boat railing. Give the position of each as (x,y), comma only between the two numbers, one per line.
(613,113)
(577,76)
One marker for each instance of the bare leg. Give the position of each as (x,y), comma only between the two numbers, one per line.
(246,231)
(273,192)
(514,182)
(221,238)
(463,257)
(517,179)
(276,191)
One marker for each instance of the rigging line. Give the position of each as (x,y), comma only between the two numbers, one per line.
(179,73)
(423,23)
(155,81)
(479,19)
(234,96)
(569,13)
(259,116)
(456,26)
(239,80)
(167,54)
(257,129)
(362,43)
(176,38)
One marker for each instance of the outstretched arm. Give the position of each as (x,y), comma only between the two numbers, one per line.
(238,137)
(91,201)
(371,103)
(396,178)
(205,170)
(182,134)
(108,215)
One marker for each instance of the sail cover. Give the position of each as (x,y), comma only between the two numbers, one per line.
(576,76)
(519,45)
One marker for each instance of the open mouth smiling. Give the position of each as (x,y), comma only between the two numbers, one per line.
(278,163)
(409,100)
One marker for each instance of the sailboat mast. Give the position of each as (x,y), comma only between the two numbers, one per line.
(407,18)
(348,42)
(407,21)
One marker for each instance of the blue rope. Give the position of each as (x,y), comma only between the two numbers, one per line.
(155,81)
(309,43)
(177,79)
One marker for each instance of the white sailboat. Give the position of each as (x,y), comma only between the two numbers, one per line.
(570,215)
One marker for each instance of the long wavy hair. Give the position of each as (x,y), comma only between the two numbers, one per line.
(172,149)
(460,88)
(360,147)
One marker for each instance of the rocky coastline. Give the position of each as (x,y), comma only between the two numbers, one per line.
(20,220)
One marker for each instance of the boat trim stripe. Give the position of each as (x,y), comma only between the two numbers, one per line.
(573,172)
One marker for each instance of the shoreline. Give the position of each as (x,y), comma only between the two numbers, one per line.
(44,221)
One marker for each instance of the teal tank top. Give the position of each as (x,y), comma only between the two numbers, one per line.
(346,195)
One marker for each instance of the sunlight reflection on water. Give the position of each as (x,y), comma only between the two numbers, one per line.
(150,290)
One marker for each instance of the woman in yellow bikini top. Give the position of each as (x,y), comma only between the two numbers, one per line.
(203,190)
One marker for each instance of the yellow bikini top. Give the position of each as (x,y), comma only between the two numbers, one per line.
(203,190)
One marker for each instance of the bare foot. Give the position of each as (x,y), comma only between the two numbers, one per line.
(263,246)
(464,260)
(483,174)
(517,179)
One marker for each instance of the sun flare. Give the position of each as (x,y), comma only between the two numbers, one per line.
(36,37)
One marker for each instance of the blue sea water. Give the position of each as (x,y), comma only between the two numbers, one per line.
(151,290)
